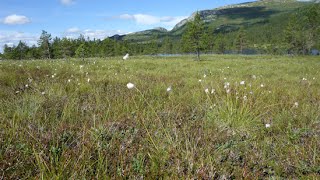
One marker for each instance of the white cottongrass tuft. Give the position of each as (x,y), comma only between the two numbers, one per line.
(242,82)
(268,125)
(245,98)
(226,85)
(125,57)
(296,105)
(206,90)
(130,85)
(169,89)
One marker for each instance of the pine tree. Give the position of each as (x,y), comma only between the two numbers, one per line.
(45,44)
(194,35)
(82,51)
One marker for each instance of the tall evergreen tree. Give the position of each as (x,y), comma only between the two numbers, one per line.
(193,38)
(45,44)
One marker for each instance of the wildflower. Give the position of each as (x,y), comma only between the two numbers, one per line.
(213,91)
(204,76)
(125,57)
(304,79)
(43,93)
(262,85)
(169,89)
(226,85)
(206,91)
(228,91)
(242,82)
(268,125)
(245,98)
(200,80)
(88,80)
(81,66)
(296,105)
(69,80)
(26,85)
(130,85)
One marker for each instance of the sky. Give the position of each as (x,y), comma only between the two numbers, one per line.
(25,19)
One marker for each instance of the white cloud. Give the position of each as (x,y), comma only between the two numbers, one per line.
(67,2)
(145,19)
(73,30)
(16,19)
(13,37)
(97,34)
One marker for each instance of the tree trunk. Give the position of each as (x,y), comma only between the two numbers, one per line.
(198,54)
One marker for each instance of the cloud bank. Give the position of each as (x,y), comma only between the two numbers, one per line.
(15,19)
(146,19)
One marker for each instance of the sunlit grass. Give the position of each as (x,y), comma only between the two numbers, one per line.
(151,117)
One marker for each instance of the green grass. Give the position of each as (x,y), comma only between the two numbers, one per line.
(61,126)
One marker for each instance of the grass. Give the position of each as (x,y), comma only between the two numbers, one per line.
(78,120)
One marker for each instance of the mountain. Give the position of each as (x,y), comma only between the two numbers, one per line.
(258,14)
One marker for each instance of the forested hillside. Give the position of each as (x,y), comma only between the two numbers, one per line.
(264,27)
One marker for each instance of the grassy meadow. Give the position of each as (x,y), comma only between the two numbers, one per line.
(225,117)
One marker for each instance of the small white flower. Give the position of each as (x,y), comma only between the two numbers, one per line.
(228,91)
(17,92)
(81,66)
(313,78)
(262,85)
(296,105)
(130,85)
(304,79)
(245,98)
(226,85)
(213,91)
(206,90)
(200,80)
(242,82)
(169,89)
(268,125)
(88,80)
(204,76)
(69,80)
(26,85)
(43,93)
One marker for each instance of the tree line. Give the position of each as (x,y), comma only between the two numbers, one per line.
(298,35)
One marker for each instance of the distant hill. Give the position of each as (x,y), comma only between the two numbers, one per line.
(253,16)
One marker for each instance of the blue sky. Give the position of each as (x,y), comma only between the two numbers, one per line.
(25,19)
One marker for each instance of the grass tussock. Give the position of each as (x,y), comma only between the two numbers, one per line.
(225,117)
